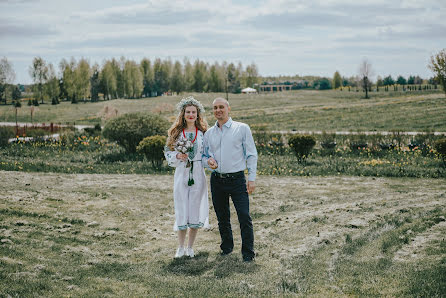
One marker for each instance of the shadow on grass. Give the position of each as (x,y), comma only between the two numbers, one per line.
(190,266)
(230,264)
(223,266)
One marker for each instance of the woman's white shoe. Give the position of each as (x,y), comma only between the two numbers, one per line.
(190,252)
(180,252)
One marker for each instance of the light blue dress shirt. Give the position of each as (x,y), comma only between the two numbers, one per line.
(232,146)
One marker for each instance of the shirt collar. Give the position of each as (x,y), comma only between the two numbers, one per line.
(227,124)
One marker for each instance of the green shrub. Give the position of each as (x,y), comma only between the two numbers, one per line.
(153,149)
(93,131)
(67,137)
(440,147)
(301,145)
(260,135)
(328,141)
(130,129)
(6,133)
(358,142)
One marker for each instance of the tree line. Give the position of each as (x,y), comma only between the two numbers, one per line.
(123,78)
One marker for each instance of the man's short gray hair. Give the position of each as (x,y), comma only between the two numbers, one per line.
(221,99)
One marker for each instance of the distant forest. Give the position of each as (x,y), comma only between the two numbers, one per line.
(77,80)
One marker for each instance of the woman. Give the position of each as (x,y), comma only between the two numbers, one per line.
(190,188)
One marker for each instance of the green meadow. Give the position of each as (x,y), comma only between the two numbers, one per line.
(299,110)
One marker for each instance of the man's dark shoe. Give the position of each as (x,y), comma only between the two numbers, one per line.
(225,253)
(248,259)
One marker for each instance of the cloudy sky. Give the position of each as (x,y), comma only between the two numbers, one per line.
(285,37)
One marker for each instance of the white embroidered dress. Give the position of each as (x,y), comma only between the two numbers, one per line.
(190,202)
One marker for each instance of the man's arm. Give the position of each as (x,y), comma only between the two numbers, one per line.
(207,158)
(250,154)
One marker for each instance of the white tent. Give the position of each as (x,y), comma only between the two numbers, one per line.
(249,90)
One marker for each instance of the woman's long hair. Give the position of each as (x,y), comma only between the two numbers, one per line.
(180,123)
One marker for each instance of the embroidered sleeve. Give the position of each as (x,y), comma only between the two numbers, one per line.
(171,157)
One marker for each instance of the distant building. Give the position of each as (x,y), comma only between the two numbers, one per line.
(249,90)
(282,86)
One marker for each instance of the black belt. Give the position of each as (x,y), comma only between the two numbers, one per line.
(229,175)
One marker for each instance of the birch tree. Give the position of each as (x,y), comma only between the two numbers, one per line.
(438,67)
(365,72)
(39,73)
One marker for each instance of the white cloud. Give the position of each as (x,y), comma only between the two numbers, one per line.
(281,36)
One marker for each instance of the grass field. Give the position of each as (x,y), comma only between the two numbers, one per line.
(299,110)
(111,235)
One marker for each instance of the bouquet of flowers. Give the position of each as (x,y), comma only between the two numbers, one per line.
(186,146)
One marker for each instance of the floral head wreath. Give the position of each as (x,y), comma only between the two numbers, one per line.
(190,101)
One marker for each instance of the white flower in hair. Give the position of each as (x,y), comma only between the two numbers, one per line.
(190,101)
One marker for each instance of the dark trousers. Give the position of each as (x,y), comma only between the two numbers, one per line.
(222,189)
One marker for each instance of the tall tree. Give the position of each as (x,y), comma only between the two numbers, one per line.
(83,74)
(401,80)
(147,76)
(39,74)
(67,70)
(387,81)
(418,80)
(199,76)
(7,76)
(108,81)
(379,81)
(168,68)
(118,67)
(438,67)
(233,81)
(252,75)
(95,83)
(52,85)
(127,78)
(137,81)
(161,75)
(188,75)
(337,80)
(177,81)
(216,78)
(16,93)
(365,73)
(133,81)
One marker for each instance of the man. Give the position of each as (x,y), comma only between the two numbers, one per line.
(229,149)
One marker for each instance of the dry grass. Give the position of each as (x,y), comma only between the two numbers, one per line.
(111,235)
(300,110)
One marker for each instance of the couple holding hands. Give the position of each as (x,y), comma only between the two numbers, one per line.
(228,149)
